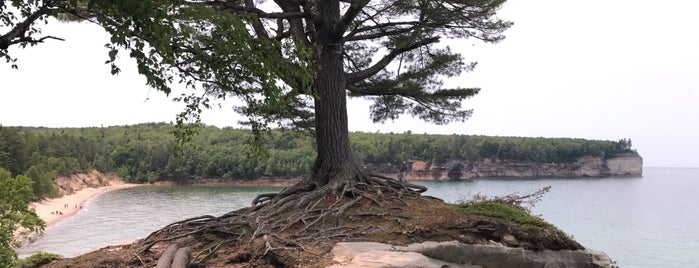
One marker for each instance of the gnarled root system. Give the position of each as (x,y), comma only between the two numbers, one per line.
(283,221)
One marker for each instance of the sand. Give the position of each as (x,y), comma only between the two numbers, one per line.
(56,209)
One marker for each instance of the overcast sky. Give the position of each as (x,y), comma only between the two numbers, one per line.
(586,69)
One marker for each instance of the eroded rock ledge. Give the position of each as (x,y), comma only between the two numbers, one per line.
(624,165)
(455,254)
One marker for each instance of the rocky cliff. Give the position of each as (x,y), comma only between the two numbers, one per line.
(68,185)
(630,164)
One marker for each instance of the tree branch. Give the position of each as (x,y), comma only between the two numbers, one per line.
(352,36)
(250,8)
(381,64)
(378,34)
(17,34)
(296,25)
(354,9)
(33,41)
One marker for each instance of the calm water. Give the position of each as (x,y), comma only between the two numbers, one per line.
(639,222)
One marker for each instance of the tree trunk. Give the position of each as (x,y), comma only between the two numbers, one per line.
(334,161)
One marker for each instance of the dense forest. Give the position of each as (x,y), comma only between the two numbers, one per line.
(149,152)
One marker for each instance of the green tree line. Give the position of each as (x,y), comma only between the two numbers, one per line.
(148,152)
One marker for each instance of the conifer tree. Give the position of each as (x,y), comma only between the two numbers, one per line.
(293,63)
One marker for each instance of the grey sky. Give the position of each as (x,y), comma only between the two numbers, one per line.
(587,69)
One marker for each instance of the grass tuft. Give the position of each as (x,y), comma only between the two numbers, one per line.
(37,260)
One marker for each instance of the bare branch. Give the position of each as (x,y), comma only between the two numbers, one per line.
(25,39)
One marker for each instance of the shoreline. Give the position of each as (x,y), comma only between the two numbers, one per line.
(54,210)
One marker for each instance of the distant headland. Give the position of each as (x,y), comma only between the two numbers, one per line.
(628,164)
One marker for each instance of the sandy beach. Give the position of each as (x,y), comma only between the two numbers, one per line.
(56,209)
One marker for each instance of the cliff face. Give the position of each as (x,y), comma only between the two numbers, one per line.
(94,179)
(624,165)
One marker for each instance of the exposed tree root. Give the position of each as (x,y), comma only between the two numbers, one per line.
(297,214)
(176,255)
(181,258)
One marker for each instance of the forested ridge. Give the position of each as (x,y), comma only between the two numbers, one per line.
(148,152)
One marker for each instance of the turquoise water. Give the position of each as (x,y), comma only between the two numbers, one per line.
(639,222)
(134,213)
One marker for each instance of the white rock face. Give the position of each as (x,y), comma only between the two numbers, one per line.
(379,255)
(455,254)
(625,165)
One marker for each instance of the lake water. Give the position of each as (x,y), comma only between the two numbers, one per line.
(640,222)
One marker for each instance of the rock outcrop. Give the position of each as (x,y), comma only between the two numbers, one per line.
(455,254)
(624,165)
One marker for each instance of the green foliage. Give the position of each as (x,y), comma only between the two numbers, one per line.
(204,48)
(512,207)
(15,194)
(16,17)
(415,87)
(504,211)
(209,51)
(38,259)
(146,152)
(228,49)
(42,176)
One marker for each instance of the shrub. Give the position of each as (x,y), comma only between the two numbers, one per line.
(498,209)
(37,260)
(512,207)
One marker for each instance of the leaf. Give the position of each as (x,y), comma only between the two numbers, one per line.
(112,54)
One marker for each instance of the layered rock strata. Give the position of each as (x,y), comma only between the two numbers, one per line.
(624,165)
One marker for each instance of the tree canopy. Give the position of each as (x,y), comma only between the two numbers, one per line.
(292,62)
(15,194)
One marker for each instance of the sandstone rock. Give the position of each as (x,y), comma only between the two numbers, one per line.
(375,255)
(510,240)
(625,165)
(588,166)
(455,254)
